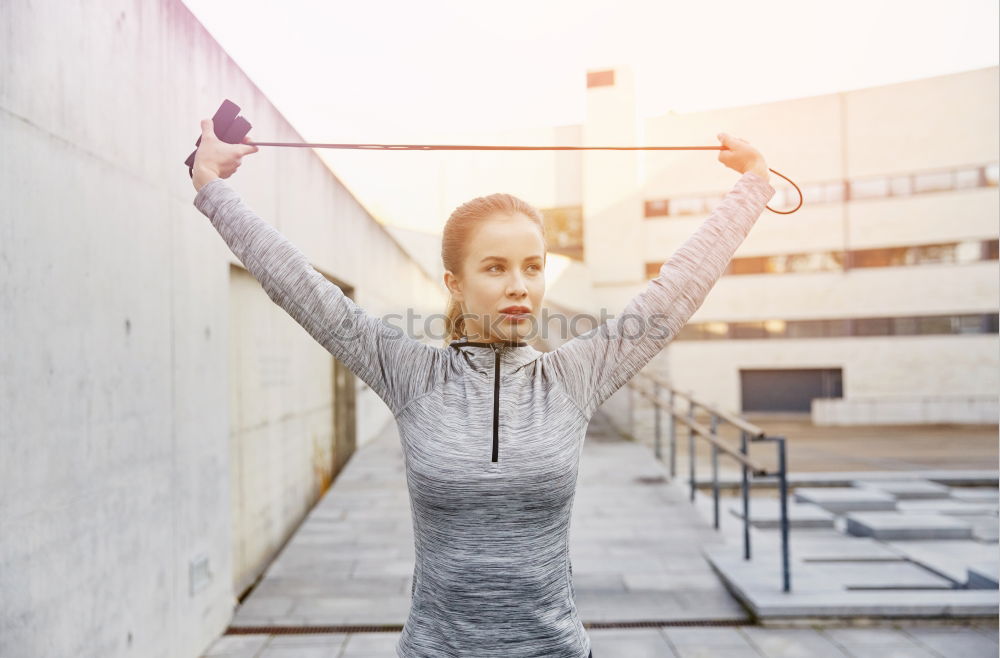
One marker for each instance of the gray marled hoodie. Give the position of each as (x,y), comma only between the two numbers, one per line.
(491,434)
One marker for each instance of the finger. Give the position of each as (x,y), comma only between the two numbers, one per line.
(246,150)
(207,128)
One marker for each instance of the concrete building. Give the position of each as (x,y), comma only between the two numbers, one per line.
(875,302)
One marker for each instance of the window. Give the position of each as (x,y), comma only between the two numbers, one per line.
(749,265)
(934,324)
(807,329)
(936,253)
(991,174)
(687,206)
(748,330)
(872,326)
(973,323)
(969,251)
(813,193)
(869,188)
(884,257)
(716,329)
(936,181)
(836,191)
(901,185)
(692,332)
(973,177)
(601,78)
(775,328)
(657,208)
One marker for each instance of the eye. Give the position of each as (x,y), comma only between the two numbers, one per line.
(490,268)
(536,266)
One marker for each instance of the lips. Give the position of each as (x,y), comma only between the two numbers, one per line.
(515,310)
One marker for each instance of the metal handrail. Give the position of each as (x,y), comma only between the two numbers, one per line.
(748,433)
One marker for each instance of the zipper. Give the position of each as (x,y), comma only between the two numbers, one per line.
(457,344)
(496,402)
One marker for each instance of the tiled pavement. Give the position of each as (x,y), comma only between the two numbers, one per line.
(920,641)
(635,543)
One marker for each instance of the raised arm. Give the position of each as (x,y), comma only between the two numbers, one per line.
(396,366)
(595,364)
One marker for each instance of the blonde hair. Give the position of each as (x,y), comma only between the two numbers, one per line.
(458,232)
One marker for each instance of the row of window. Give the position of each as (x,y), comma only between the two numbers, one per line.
(871,187)
(977,323)
(968,251)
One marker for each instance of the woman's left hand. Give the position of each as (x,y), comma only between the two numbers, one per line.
(739,155)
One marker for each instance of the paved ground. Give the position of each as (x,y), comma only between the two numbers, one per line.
(635,548)
(922,641)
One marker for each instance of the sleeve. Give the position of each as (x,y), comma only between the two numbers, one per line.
(595,364)
(396,366)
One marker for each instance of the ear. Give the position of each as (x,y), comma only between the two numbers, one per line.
(453,285)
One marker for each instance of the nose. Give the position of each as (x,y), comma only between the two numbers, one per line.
(516,286)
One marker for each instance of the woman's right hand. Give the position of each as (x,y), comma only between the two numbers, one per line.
(215,158)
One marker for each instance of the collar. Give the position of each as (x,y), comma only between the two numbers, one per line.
(482,356)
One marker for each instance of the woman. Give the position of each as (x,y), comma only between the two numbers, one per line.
(491,428)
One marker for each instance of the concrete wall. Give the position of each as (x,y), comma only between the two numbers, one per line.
(115,497)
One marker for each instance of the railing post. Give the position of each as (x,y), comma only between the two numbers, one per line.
(783,496)
(673,436)
(745,491)
(715,468)
(656,410)
(691,405)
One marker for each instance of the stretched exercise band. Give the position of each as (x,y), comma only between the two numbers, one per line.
(231,128)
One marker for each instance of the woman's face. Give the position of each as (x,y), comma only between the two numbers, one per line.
(504,266)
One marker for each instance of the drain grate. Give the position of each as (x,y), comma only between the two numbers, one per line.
(305,630)
(391,628)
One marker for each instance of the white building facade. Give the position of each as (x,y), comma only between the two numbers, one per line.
(876,302)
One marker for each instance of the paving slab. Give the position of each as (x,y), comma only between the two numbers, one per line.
(905,489)
(891,525)
(955,642)
(758,585)
(883,575)
(948,557)
(983,575)
(766,513)
(976,494)
(947,506)
(985,527)
(846,499)
(825,546)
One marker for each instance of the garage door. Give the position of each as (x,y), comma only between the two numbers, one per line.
(789,389)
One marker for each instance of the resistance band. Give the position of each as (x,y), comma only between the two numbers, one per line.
(231,128)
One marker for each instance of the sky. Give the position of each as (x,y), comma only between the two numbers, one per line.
(383,71)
